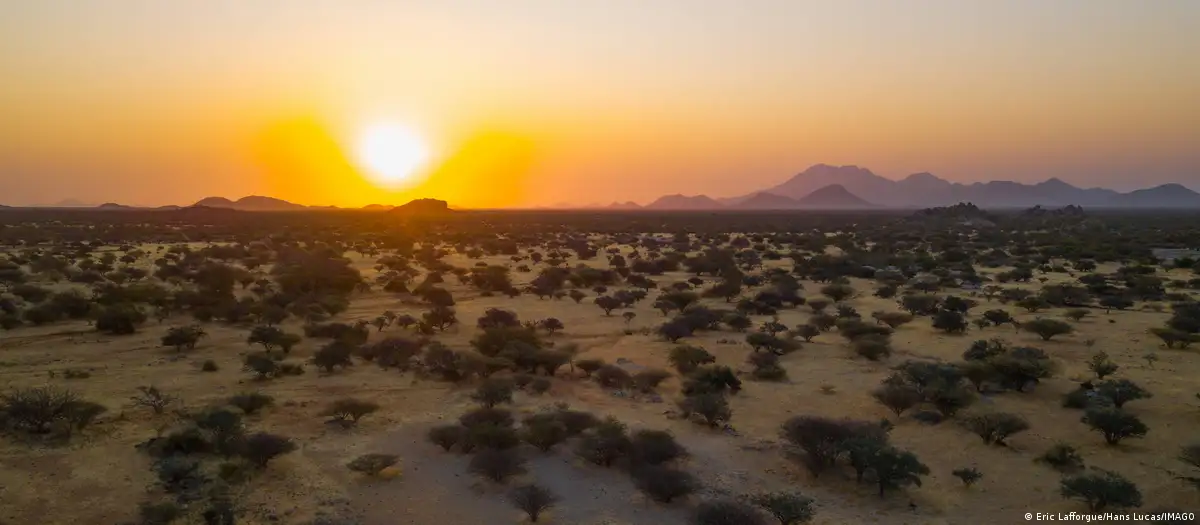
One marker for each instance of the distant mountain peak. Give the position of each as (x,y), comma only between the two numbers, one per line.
(679,201)
(833,196)
(423,207)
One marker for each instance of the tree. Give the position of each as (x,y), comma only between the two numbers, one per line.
(1121,391)
(1101,489)
(153,398)
(1118,302)
(655,447)
(348,411)
(1114,423)
(493,391)
(259,449)
(822,440)
(897,397)
(628,317)
(497,465)
(267,336)
(968,476)
(663,484)
(1047,328)
(713,407)
(604,443)
(182,337)
(726,512)
(675,330)
(1173,338)
(950,321)
(333,355)
(788,508)
(995,427)
(1102,366)
(533,500)
(920,304)
(686,358)
(35,409)
(446,436)
(544,433)
(1033,303)
(896,468)
(607,303)
(837,292)
(121,319)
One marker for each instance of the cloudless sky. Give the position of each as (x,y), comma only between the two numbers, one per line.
(529,102)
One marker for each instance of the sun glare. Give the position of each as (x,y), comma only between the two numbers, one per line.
(391,155)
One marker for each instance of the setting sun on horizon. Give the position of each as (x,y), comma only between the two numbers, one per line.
(537,102)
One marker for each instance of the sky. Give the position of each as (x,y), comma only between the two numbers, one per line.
(538,102)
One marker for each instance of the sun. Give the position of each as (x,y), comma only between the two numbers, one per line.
(391,154)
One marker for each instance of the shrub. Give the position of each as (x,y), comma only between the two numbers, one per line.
(160,513)
(655,447)
(892,319)
(807,332)
(153,398)
(648,380)
(251,402)
(576,421)
(726,512)
(1121,391)
(209,366)
(333,355)
(446,436)
(950,322)
(348,411)
(613,376)
(789,509)
(894,468)
(493,391)
(533,500)
(995,427)
(261,448)
(1062,457)
(604,443)
(182,337)
(968,476)
(539,385)
(713,407)
(822,439)
(589,366)
(497,465)
(1101,489)
(492,437)
(897,397)
(544,433)
(873,348)
(712,379)
(120,319)
(487,416)
(372,464)
(35,409)
(663,484)
(1047,328)
(1114,423)
(1102,366)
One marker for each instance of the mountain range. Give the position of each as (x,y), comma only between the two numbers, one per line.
(825,187)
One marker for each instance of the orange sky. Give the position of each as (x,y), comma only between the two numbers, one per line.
(531,102)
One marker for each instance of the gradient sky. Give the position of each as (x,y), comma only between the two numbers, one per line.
(530,102)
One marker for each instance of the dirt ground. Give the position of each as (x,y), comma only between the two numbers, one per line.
(100,476)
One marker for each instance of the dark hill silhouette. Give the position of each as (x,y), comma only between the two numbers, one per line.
(251,203)
(628,205)
(114,206)
(1165,196)
(682,202)
(834,197)
(377,207)
(423,207)
(767,201)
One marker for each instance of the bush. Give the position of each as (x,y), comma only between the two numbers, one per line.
(1121,391)
(822,440)
(589,366)
(604,444)
(1102,366)
(613,376)
(493,391)
(1115,424)
(894,468)
(726,512)
(1047,328)
(789,509)
(539,386)
(251,402)
(119,319)
(533,500)
(1062,457)
(655,447)
(950,322)
(153,398)
(968,476)
(647,380)
(712,380)
(897,397)
(372,464)
(333,355)
(1102,489)
(995,427)
(487,416)
(713,407)
(492,437)
(446,436)
(349,410)
(209,366)
(873,348)
(497,465)
(663,484)
(182,337)
(261,448)
(687,358)
(35,409)
(576,421)
(544,432)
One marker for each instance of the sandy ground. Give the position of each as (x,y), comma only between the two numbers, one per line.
(99,477)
